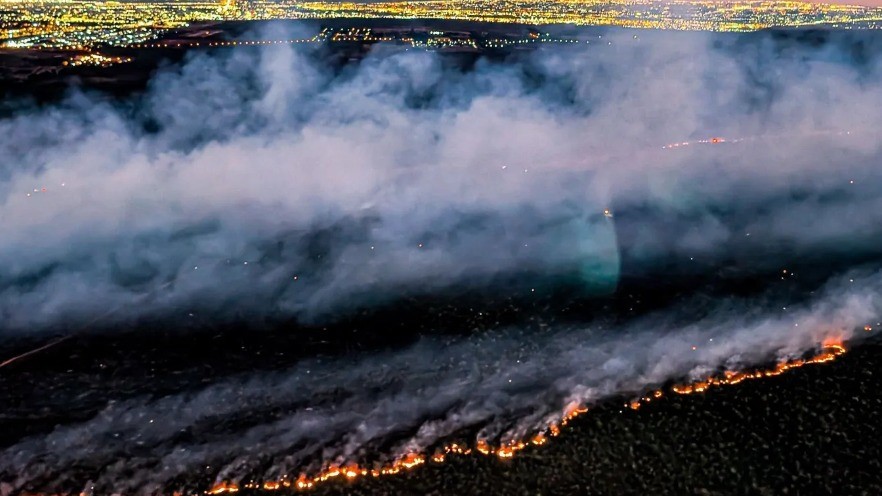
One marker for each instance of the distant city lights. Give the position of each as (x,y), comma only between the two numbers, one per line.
(79,24)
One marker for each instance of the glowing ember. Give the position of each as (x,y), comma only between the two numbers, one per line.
(483,448)
(224,487)
(303,482)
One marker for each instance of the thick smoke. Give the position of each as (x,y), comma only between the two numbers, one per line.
(263,184)
(401,175)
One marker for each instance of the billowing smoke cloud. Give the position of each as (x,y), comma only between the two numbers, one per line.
(400,175)
(264,185)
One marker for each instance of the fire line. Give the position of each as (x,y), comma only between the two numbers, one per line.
(828,352)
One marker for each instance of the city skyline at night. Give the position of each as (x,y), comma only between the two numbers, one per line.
(78,24)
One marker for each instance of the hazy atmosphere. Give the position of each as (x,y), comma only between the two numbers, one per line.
(262,188)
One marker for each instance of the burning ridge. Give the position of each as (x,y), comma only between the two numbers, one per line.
(827,351)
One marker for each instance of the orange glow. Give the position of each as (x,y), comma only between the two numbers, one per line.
(505,452)
(483,448)
(830,350)
(303,482)
(223,487)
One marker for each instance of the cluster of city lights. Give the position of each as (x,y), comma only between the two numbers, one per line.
(95,59)
(91,23)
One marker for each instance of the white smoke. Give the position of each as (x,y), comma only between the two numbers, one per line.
(404,174)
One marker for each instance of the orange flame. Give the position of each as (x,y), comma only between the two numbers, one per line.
(223,487)
(829,352)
